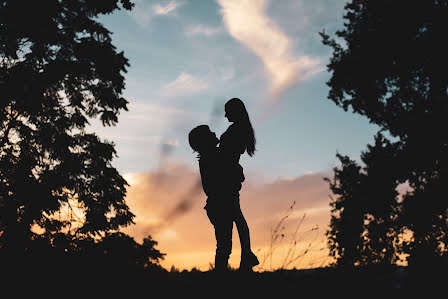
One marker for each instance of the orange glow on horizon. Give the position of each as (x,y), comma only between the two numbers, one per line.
(188,238)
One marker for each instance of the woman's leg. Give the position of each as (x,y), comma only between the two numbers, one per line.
(248,258)
(243,231)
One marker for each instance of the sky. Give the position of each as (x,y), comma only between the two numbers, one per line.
(187,58)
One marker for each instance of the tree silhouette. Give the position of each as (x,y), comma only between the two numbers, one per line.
(391,68)
(58,69)
(347,219)
(381,229)
(363,228)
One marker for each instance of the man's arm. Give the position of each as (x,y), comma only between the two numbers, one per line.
(208,177)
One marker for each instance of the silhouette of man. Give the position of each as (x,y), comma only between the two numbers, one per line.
(221,183)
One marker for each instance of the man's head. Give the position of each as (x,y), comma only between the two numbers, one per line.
(202,139)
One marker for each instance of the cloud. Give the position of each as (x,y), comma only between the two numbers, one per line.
(247,22)
(169,8)
(202,30)
(168,203)
(143,12)
(145,130)
(227,73)
(134,124)
(184,84)
(152,139)
(160,197)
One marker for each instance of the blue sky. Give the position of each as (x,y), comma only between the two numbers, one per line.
(187,58)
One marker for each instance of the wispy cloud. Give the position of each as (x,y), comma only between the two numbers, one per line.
(143,12)
(247,22)
(203,30)
(145,125)
(169,8)
(153,139)
(227,73)
(184,84)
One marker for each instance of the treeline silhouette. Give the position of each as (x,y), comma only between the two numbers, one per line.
(391,67)
(61,200)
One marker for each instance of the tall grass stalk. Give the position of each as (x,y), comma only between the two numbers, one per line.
(294,254)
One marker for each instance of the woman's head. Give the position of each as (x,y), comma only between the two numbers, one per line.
(236,113)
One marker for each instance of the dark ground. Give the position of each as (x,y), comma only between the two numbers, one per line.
(111,280)
(296,281)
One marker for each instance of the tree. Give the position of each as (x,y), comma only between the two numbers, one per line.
(121,249)
(363,229)
(58,69)
(391,68)
(381,208)
(347,219)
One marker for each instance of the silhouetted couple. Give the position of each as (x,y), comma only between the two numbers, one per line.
(221,176)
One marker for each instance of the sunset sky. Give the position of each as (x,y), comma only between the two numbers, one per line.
(187,58)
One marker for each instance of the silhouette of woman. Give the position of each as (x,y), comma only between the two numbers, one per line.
(238,138)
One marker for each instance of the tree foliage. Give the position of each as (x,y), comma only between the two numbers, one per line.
(363,229)
(389,64)
(58,69)
(60,196)
(347,220)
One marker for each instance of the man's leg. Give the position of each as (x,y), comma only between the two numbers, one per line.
(223,233)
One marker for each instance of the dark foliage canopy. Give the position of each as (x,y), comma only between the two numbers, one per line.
(392,65)
(389,64)
(58,69)
(363,227)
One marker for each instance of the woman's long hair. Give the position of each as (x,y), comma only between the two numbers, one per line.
(238,109)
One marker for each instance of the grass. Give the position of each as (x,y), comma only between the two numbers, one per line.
(291,248)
